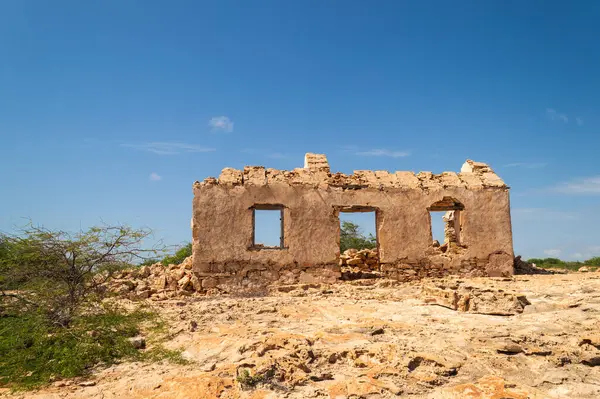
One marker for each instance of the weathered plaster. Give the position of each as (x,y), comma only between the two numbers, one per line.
(222,225)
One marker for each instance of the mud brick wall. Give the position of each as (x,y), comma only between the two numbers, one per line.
(310,200)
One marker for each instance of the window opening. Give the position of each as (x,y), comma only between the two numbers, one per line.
(268,227)
(445,223)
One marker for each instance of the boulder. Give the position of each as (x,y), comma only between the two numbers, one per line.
(138,342)
(196,283)
(469,298)
(159,283)
(144,272)
(143,294)
(184,282)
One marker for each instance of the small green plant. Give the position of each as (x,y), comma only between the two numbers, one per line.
(35,352)
(158,352)
(249,381)
(149,262)
(179,255)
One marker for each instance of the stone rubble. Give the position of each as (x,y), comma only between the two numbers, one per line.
(316,172)
(158,282)
(365,259)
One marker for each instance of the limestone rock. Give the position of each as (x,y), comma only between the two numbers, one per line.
(196,283)
(315,341)
(593,339)
(509,348)
(144,272)
(138,342)
(157,282)
(474,299)
(365,259)
(490,387)
(184,282)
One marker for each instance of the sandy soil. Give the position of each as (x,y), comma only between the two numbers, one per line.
(369,339)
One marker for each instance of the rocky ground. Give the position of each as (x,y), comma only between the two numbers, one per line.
(533,336)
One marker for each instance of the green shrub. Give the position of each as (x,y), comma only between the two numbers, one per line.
(250,381)
(553,261)
(159,353)
(149,262)
(595,261)
(556,263)
(570,265)
(352,237)
(53,323)
(59,273)
(34,352)
(179,255)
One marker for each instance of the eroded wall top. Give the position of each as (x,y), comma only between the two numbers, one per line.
(316,172)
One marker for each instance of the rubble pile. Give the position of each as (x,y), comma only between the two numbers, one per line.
(156,282)
(365,259)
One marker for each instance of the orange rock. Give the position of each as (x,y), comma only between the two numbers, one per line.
(490,387)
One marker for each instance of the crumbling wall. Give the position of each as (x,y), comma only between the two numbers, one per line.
(311,199)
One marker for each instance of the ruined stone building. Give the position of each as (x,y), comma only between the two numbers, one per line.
(308,201)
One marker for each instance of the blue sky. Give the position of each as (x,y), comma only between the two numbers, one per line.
(110,110)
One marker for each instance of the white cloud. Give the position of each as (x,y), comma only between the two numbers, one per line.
(579,121)
(557,116)
(221,124)
(168,148)
(528,165)
(155,176)
(555,253)
(383,153)
(584,185)
(577,255)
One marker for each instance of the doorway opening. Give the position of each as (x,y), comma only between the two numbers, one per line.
(359,247)
(445,223)
(437,227)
